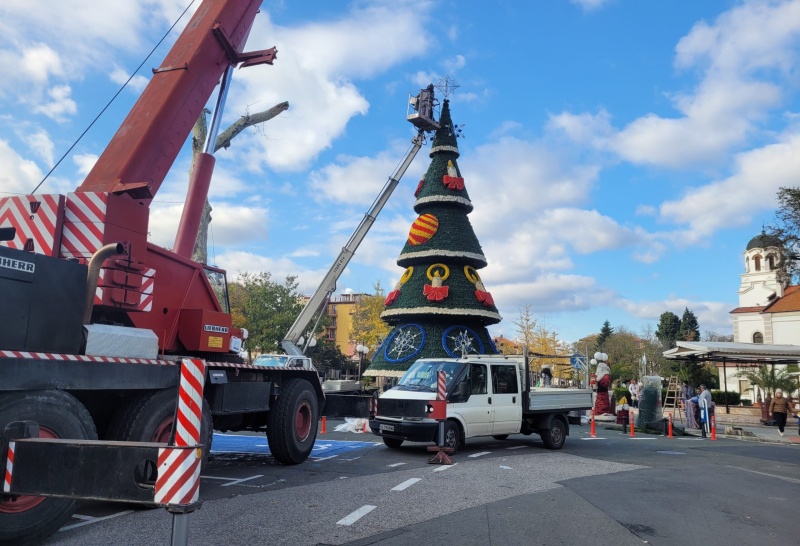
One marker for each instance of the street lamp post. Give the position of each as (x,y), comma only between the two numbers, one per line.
(362,350)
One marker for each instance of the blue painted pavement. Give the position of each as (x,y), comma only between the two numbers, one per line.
(233,443)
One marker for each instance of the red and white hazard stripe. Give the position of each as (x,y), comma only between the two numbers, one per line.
(179,469)
(148,282)
(441,391)
(190,402)
(36,218)
(84,224)
(9,467)
(178,479)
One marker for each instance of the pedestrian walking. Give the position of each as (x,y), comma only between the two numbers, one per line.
(780,410)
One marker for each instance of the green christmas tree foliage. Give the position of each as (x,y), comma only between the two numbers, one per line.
(440,307)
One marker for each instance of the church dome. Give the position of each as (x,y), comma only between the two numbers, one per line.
(764,241)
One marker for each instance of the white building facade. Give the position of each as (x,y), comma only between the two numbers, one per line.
(769,307)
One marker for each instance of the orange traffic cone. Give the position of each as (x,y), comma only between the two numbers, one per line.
(630,421)
(592,434)
(324,428)
(669,427)
(713,429)
(366,426)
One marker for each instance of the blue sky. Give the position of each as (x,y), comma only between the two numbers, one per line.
(619,154)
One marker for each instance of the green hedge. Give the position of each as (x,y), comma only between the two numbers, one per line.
(733,398)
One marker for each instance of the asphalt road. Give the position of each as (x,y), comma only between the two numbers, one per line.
(611,490)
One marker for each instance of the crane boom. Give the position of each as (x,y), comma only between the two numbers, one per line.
(137,159)
(328,284)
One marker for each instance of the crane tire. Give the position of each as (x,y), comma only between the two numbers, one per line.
(292,422)
(149,418)
(31,519)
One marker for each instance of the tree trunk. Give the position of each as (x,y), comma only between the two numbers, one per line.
(199,132)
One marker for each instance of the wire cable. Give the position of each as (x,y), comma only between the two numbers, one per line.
(124,85)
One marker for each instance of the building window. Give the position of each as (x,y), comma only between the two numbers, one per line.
(757,262)
(758,337)
(771,262)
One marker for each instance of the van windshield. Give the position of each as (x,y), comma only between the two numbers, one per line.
(422,375)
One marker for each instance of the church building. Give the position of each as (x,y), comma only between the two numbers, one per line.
(769,307)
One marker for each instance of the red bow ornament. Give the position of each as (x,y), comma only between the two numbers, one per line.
(485,298)
(391,298)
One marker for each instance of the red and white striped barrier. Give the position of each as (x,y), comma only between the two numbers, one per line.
(179,469)
(9,467)
(441,391)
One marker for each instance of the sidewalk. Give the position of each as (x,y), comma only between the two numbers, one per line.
(731,429)
(755,433)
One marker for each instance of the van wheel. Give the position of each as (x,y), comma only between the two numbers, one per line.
(555,436)
(452,436)
(393,443)
(60,415)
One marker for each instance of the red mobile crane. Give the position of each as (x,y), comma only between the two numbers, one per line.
(95,319)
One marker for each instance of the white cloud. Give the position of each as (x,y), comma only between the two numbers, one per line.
(711,315)
(120,75)
(590,5)
(315,71)
(60,104)
(750,190)
(18,175)
(355,179)
(40,145)
(85,162)
(80,36)
(39,62)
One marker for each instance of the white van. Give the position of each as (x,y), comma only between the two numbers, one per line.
(487,395)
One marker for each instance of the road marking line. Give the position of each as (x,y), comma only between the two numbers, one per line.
(323,458)
(516,447)
(235,482)
(406,484)
(395,464)
(357,515)
(481,454)
(597,438)
(643,438)
(90,520)
(784,478)
(444,467)
(504,467)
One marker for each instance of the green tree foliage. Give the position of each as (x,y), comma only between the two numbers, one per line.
(689,329)
(605,332)
(624,350)
(368,327)
(668,330)
(326,355)
(768,379)
(788,230)
(265,308)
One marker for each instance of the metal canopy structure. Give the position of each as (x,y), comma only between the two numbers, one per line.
(734,353)
(745,353)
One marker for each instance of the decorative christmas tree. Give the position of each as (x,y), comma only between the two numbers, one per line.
(440,307)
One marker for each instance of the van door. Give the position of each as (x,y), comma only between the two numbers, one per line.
(506,399)
(476,410)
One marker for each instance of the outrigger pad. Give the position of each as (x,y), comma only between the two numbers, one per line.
(440,458)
